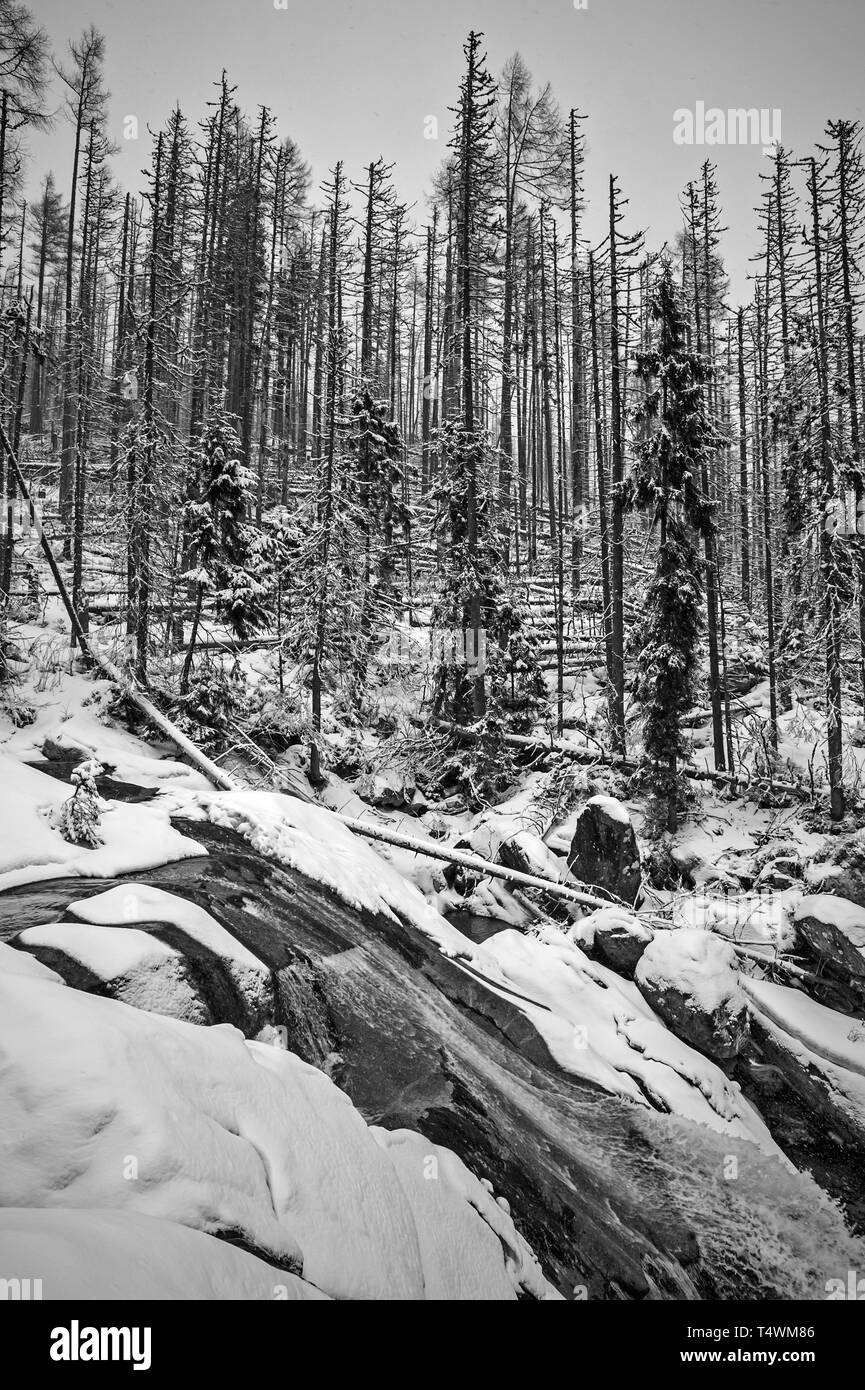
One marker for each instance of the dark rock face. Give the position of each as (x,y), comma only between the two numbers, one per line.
(604,852)
(834,928)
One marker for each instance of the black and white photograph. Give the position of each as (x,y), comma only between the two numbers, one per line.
(432,671)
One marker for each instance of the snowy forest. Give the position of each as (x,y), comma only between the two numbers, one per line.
(432,709)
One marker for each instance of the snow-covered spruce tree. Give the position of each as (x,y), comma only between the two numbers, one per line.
(78,818)
(676,433)
(224,545)
(376,450)
(474,598)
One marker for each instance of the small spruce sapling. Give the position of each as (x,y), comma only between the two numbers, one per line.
(78,819)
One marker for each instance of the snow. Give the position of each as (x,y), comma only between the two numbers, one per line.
(15,962)
(835,912)
(85,1254)
(141,902)
(609,919)
(107,954)
(78,724)
(597,1025)
(826,1033)
(136,837)
(828,1046)
(105,1106)
(310,839)
(696,964)
(611,807)
(754,918)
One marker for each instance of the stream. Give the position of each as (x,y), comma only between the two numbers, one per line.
(616,1201)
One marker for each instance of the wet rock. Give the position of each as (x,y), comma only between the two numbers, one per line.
(834,928)
(689,977)
(604,852)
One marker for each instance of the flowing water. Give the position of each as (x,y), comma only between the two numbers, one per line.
(616,1201)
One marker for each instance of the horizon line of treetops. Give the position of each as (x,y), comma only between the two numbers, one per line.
(459,405)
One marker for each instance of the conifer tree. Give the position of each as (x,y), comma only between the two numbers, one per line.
(666,483)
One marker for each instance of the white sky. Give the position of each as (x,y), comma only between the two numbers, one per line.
(354,79)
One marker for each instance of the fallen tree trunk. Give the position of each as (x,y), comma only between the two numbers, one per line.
(466,860)
(580,755)
(91,649)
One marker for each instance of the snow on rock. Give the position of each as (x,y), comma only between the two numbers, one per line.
(153,974)
(135,837)
(127,964)
(15,962)
(625,1048)
(105,1106)
(690,977)
(598,1026)
(310,839)
(757,918)
(499,840)
(89,732)
(106,953)
(450,1230)
(840,868)
(835,929)
(826,1049)
(97,1254)
(618,936)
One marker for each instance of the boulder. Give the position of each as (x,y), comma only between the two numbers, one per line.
(620,938)
(388,790)
(604,852)
(501,840)
(159,953)
(834,928)
(58,750)
(123,963)
(689,978)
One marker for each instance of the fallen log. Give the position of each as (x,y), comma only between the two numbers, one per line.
(580,755)
(92,650)
(435,850)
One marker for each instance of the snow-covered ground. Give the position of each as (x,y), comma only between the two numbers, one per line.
(160,1135)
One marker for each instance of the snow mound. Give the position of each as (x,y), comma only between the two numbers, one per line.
(106,953)
(15,962)
(87,1254)
(611,807)
(690,978)
(105,1106)
(141,902)
(136,837)
(694,963)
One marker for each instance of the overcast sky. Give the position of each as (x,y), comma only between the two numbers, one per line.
(354,79)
